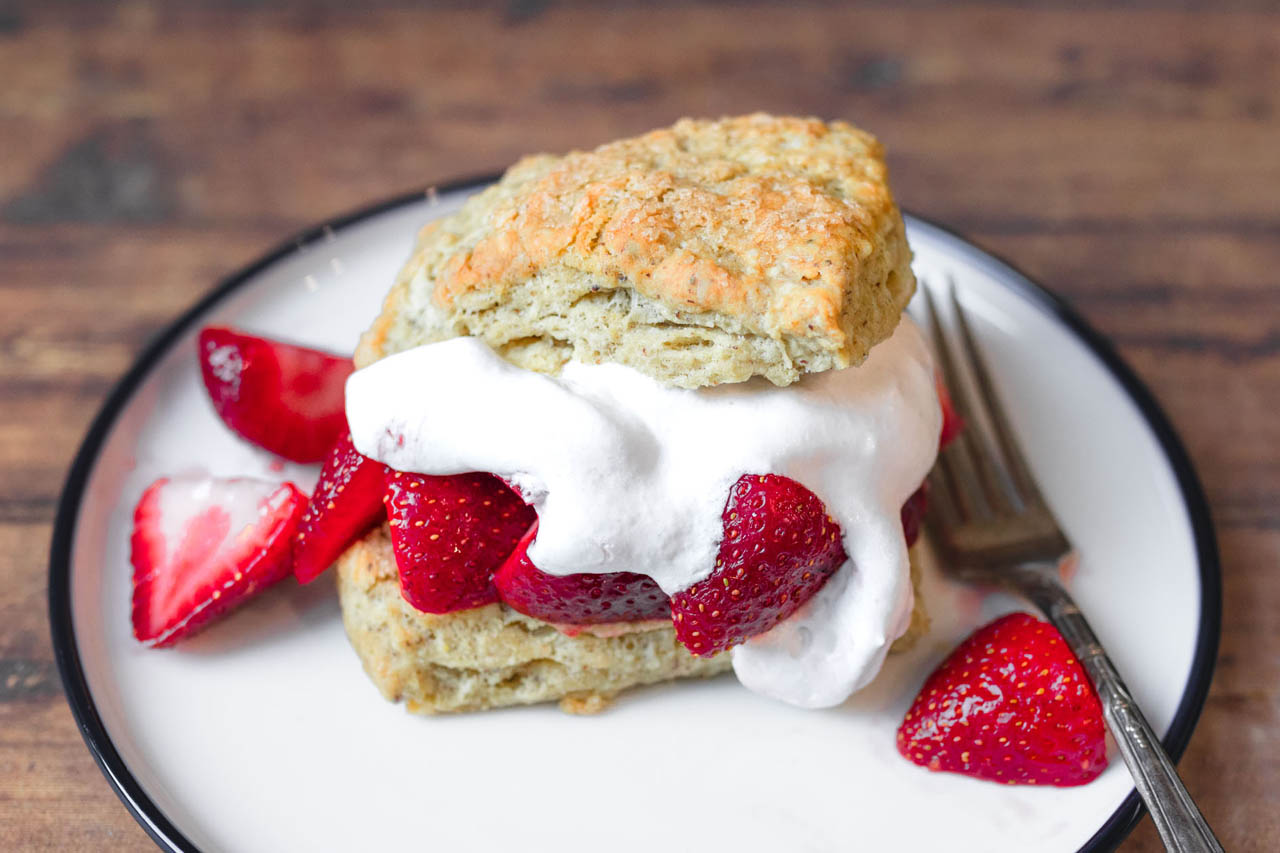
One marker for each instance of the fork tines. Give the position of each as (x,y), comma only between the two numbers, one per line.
(982,475)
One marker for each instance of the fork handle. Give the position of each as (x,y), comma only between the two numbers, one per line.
(1179,822)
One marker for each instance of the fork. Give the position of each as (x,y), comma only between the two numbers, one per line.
(991,526)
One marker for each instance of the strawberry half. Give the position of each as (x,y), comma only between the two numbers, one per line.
(779,548)
(284,398)
(347,502)
(201,546)
(580,599)
(450,534)
(1012,705)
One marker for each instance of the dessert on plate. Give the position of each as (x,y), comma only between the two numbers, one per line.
(682,361)
(641,413)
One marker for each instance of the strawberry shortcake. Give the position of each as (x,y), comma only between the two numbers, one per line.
(633,414)
(644,412)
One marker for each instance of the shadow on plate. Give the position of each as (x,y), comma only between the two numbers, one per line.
(286,609)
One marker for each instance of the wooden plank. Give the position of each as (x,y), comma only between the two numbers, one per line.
(1117,120)
(1124,155)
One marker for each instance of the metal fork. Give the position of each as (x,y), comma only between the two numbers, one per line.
(991,526)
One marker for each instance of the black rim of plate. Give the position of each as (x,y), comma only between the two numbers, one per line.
(165,834)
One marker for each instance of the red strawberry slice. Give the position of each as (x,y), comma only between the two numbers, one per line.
(779,548)
(1011,704)
(202,545)
(347,502)
(952,423)
(450,534)
(581,599)
(283,398)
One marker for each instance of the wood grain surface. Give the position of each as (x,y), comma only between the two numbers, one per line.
(1125,155)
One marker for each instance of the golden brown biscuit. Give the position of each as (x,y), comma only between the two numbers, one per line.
(704,253)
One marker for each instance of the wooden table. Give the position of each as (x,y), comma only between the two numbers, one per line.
(1127,158)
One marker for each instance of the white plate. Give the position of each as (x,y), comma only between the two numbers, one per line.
(264,734)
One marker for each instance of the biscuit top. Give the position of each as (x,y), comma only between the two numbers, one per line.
(703,253)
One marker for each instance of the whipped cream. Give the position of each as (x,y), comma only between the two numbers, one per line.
(627,474)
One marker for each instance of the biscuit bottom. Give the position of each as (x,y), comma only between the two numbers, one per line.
(492,656)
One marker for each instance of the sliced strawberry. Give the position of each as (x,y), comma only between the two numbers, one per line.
(581,599)
(283,398)
(450,534)
(779,548)
(952,423)
(347,502)
(1011,704)
(202,545)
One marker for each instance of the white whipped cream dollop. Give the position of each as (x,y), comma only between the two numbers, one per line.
(627,474)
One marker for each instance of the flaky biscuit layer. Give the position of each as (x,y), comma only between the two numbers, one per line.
(703,253)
